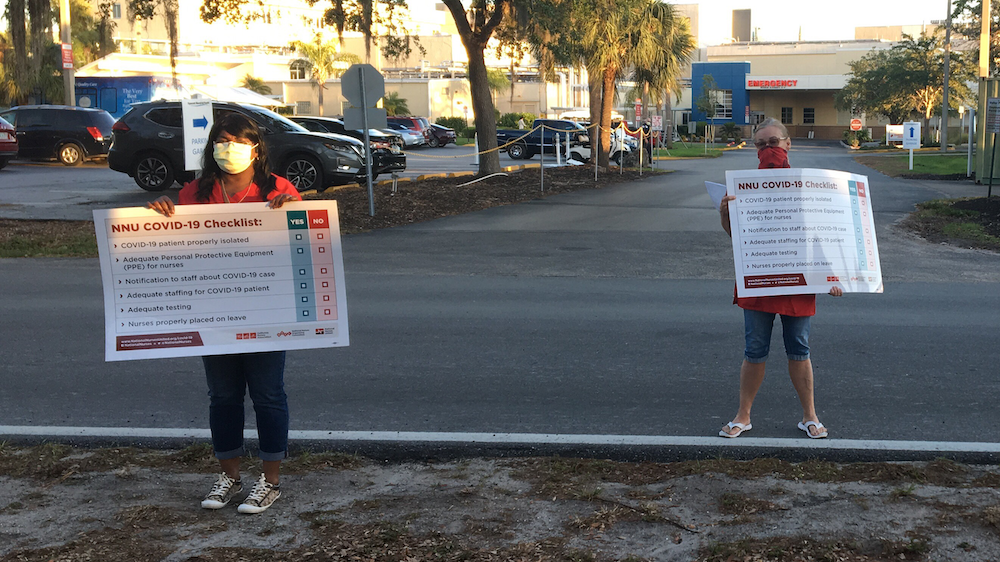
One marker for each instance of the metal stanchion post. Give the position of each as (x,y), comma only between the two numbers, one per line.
(542,167)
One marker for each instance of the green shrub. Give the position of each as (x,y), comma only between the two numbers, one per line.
(855,138)
(469,132)
(509,120)
(457,123)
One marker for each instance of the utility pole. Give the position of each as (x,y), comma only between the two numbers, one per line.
(69,74)
(984,42)
(944,94)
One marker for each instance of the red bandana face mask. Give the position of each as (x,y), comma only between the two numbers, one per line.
(773,157)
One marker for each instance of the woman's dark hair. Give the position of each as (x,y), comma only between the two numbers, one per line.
(241,126)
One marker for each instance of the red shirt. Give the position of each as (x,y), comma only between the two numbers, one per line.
(189,193)
(789,305)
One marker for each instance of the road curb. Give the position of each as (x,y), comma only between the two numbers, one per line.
(400,446)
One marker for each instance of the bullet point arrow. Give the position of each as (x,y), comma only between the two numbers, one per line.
(201,122)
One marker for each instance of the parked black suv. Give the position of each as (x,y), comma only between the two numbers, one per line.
(386,148)
(68,134)
(148,144)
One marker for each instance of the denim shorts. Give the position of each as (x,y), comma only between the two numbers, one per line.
(230,377)
(794,330)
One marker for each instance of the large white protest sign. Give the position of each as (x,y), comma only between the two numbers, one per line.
(801,230)
(219,279)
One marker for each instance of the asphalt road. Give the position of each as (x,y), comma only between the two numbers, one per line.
(596,312)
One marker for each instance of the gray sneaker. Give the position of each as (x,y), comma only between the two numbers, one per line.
(261,497)
(222,493)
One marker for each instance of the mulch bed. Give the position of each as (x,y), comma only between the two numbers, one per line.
(935,226)
(418,201)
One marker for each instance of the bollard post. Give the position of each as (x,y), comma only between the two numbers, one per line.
(558,150)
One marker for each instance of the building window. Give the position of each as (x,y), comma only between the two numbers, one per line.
(723,103)
(786,115)
(116,11)
(809,115)
(297,70)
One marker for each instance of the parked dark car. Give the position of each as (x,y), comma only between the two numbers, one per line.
(387,149)
(8,142)
(148,144)
(68,134)
(420,124)
(441,135)
(525,144)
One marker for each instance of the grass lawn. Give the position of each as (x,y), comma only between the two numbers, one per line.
(691,151)
(923,163)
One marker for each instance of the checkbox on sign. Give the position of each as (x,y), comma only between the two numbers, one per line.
(326,311)
(305,299)
(322,270)
(299,250)
(303,285)
(319,236)
(322,250)
(302,272)
(298,237)
(326,297)
(305,313)
(325,284)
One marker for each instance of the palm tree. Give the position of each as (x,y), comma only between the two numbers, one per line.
(664,76)
(395,105)
(255,84)
(497,82)
(324,62)
(622,34)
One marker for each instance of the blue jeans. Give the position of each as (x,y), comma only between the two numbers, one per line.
(794,330)
(229,377)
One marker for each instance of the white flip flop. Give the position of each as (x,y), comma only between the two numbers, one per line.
(805,427)
(737,426)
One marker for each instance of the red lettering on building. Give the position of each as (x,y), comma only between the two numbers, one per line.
(772,83)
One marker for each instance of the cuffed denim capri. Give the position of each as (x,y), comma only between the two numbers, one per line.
(794,330)
(229,377)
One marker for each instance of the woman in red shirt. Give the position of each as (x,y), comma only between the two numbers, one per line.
(772,142)
(235,170)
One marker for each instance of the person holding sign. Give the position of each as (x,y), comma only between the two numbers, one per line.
(235,170)
(772,142)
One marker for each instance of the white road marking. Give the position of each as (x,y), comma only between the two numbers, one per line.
(522,439)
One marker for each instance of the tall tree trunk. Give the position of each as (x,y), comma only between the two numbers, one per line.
(474,36)
(321,87)
(668,118)
(40,14)
(482,106)
(513,81)
(19,41)
(595,86)
(607,104)
(170,13)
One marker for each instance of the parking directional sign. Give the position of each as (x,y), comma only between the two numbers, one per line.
(911,134)
(198,121)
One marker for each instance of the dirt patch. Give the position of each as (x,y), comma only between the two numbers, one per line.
(429,199)
(66,504)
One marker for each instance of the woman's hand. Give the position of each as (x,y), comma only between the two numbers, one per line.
(279,200)
(163,205)
(836,291)
(724,212)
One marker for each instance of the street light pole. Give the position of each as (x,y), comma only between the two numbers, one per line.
(69,74)
(944,95)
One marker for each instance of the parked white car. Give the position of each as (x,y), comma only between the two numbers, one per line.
(411,138)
